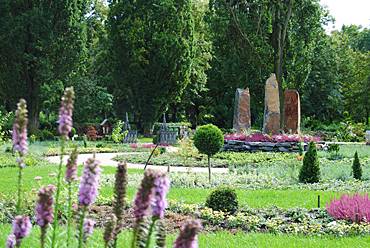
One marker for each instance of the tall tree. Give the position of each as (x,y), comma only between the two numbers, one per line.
(40,44)
(152,44)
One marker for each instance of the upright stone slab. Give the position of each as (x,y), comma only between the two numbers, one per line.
(367,136)
(271,120)
(292,112)
(242,111)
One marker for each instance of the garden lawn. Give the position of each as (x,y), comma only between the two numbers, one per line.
(219,240)
(251,198)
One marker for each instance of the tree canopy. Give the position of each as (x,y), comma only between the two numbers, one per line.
(181,57)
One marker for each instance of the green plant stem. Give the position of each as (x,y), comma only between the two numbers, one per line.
(42,236)
(151,228)
(20,177)
(69,214)
(209,168)
(81,228)
(59,182)
(134,236)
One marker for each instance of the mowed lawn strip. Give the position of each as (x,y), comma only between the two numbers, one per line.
(222,239)
(251,198)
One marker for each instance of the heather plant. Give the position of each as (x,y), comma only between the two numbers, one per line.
(355,208)
(310,171)
(64,128)
(356,167)
(208,139)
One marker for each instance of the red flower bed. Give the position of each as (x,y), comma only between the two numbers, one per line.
(260,137)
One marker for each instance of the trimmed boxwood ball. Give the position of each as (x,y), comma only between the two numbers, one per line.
(223,199)
(208,139)
(310,171)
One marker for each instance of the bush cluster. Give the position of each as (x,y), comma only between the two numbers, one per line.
(223,199)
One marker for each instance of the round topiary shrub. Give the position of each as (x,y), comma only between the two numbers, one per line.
(310,171)
(223,199)
(208,139)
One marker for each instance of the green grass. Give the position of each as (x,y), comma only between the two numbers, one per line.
(251,198)
(219,240)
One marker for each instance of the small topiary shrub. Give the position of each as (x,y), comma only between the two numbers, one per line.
(208,139)
(310,171)
(355,208)
(223,199)
(356,168)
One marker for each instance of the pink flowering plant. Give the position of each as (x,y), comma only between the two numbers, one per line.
(278,138)
(355,208)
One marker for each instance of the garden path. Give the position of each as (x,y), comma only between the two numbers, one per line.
(106,159)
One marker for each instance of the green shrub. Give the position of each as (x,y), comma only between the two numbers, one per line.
(117,134)
(208,139)
(100,145)
(223,199)
(43,135)
(300,149)
(310,171)
(356,168)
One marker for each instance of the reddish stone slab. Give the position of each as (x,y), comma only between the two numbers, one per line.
(242,112)
(292,112)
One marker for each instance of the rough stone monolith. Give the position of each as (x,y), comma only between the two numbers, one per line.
(292,112)
(242,111)
(271,120)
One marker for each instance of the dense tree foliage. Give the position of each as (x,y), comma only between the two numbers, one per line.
(183,57)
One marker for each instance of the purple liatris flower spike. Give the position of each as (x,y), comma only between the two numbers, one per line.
(65,112)
(11,241)
(20,128)
(21,227)
(144,195)
(88,227)
(71,172)
(161,187)
(44,207)
(89,183)
(188,235)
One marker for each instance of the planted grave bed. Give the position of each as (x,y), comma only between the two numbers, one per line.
(265,143)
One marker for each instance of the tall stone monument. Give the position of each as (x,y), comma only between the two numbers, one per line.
(292,112)
(242,111)
(271,120)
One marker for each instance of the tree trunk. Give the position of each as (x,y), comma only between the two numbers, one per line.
(280,26)
(209,169)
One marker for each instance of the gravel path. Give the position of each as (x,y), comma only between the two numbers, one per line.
(106,159)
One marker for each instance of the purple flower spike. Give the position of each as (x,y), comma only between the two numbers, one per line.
(143,197)
(20,129)
(89,183)
(44,208)
(21,228)
(71,172)
(65,112)
(161,187)
(188,235)
(11,241)
(88,227)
